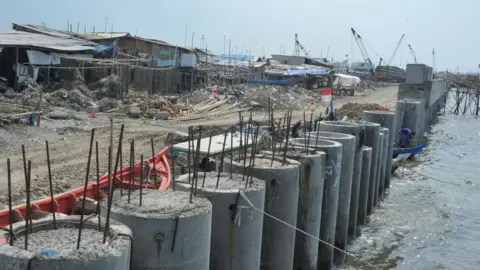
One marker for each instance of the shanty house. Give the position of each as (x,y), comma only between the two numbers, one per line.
(126,45)
(23,53)
(161,53)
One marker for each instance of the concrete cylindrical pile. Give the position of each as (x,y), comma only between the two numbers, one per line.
(169,231)
(399,115)
(50,248)
(312,173)
(345,189)
(413,117)
(236,228)
(359,133)
(281,201)
(385,119)
(372,134)
(385,170)
(364,185)
(333,167)
(379,177)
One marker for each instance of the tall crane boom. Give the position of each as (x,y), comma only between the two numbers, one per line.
(413,54)
(363,51)
(395,51)
(299,45)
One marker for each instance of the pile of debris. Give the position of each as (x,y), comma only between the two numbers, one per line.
(150,106)
(257,96)
(73,95)
(281,97)
(106,87)
(354,111)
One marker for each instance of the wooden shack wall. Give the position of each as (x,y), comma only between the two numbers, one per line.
(156,80)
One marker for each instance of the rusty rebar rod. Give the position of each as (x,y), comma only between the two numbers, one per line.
(10,213)
(28,220)
(141,179)
(132,162)
(197,154)
(80,227)
(254,155)
(221,159)
(153,160)
(207,159)
(99,196)
(52,201)
(109,198)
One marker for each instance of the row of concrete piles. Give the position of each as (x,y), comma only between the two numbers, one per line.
(291,208)
(287,209)
(303,204)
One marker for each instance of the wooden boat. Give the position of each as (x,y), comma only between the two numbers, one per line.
(66,203)
(412,151)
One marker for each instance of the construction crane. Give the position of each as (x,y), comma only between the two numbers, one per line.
(395,51)
(363,51)
(413,54)
(299,46)
(380,62)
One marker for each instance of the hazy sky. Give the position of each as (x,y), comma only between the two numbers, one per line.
(448,26)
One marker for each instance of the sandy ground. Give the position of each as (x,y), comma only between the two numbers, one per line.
(385,96)
(69,145)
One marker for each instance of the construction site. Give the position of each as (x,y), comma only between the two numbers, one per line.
(194,157)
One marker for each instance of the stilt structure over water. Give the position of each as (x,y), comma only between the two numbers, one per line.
(466,94)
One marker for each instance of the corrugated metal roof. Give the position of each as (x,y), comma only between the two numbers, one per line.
(89,36)
(49,31)
(241,63)
(41,29)
(39,41)
(107,35)
(115,35)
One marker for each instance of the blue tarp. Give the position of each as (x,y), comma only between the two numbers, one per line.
(293,72)
(103,51)
(279,82)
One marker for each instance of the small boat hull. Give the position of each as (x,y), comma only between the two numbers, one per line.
(410,151)
(66,202)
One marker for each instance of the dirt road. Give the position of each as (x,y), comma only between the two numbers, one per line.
(69,145)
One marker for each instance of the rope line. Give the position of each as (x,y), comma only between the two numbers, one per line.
(304,232)
(438,180)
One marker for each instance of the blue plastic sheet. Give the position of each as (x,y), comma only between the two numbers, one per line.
(294,72)
(103,51)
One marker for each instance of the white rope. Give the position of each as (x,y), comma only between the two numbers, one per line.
(304,232)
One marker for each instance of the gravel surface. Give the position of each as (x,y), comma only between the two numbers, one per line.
(63,241)
(160,204)
(237,181)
